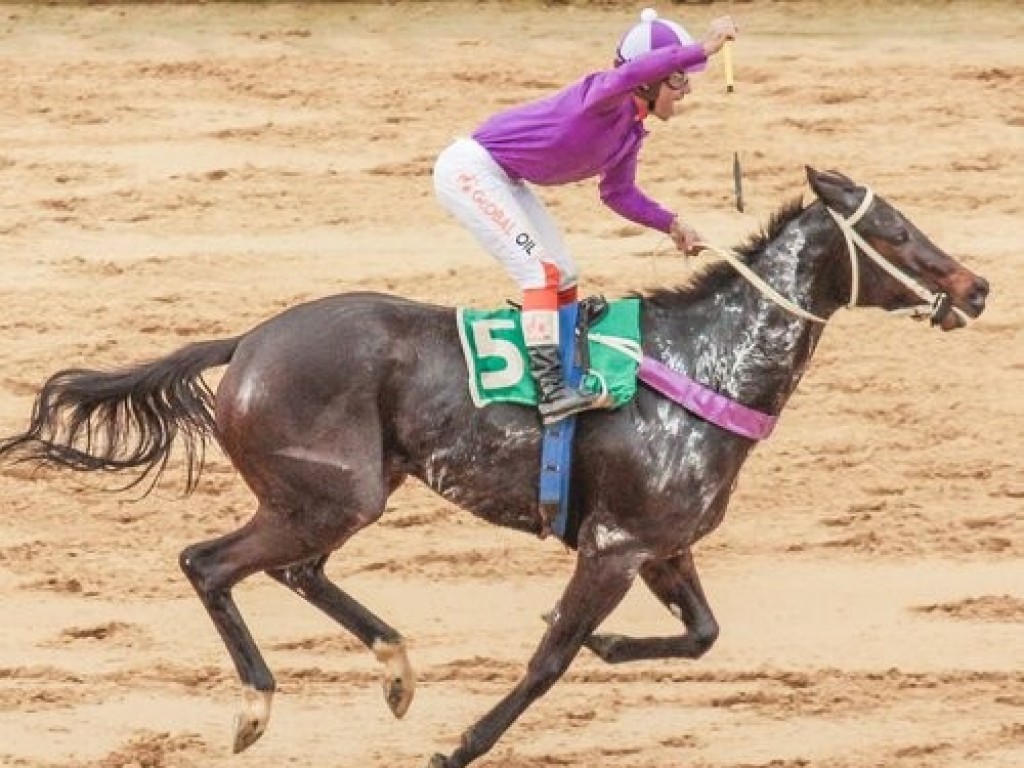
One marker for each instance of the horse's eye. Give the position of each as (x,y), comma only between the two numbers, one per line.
(901,236)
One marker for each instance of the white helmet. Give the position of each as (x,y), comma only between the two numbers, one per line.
(652,33)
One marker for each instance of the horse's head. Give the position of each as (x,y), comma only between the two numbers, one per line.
(908,270)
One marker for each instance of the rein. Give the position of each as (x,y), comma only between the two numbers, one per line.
(752,278)
(935,305)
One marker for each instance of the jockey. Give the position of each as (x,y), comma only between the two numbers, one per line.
(593,127)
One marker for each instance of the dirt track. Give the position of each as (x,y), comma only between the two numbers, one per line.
(174,174)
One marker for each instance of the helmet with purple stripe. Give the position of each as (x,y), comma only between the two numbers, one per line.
(652,32)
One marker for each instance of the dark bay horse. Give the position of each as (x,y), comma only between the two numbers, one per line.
(327,407)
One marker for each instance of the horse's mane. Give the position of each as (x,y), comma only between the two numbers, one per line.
(711,278)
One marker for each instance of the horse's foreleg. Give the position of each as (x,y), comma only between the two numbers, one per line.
(676,584)
(309,581)
(597,586)
(214,567)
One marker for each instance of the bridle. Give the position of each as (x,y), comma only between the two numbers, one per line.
(935,306)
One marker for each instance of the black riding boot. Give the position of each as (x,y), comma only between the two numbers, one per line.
(557,400)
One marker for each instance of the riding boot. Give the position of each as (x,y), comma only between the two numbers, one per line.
(556,399)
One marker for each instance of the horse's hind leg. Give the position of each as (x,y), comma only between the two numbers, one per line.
(214,567)
(676,584)
(309,581)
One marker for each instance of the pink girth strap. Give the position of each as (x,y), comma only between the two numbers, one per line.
(705,402)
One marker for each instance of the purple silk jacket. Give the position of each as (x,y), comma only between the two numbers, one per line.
(591,127)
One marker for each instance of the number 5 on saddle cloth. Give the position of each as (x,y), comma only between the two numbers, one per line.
(604,361)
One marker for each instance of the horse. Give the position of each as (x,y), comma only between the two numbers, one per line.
(326,408)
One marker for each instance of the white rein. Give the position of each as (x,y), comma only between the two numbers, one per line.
(933,302)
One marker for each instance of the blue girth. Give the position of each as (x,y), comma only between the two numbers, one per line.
(556,449)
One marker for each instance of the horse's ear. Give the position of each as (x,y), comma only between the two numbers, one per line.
(832,188)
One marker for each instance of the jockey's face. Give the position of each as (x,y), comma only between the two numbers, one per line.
(670,90)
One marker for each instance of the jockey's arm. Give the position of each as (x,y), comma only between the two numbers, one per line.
(620,193)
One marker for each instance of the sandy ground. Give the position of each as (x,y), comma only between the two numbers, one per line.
(171,174)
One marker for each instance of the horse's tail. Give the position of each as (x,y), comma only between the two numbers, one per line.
(126,419)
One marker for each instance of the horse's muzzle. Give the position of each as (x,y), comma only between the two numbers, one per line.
(970,300)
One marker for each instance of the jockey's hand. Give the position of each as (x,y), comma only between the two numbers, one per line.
(685,237)
(722,29)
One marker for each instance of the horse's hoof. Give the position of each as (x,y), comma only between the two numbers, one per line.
(398,695)
(251,722)
(438,761)
(399,679)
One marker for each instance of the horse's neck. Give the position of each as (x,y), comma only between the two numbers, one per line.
(743,344)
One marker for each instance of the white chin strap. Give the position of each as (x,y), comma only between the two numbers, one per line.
(935,305)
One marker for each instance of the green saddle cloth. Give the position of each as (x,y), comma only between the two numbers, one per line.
(499,371)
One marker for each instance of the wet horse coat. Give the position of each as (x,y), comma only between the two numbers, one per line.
(328,407)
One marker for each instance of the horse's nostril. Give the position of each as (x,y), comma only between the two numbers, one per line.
(978,295)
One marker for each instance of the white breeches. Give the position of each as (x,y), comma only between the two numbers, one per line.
(505,216)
